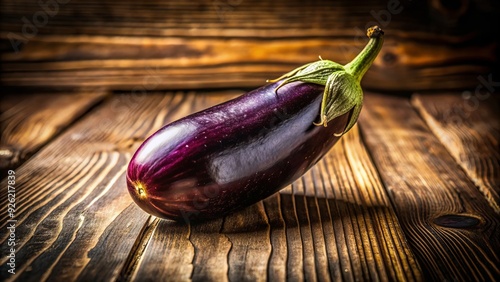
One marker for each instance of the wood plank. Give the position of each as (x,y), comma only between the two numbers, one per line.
(335,223)
(234,62)
(469,127)
(196,17)
(242,43)
(28,122)
(169,254)
(75,219)
(248,233)
(245,18)
(450,226)
(211,252)
(368,237)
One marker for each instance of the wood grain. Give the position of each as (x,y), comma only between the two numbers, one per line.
(248,233)
(28,122)
(396,209)
(469,127)
(169,255)
(367,235)
(449,224)
(227,43)
(211,251)
(75,219)
(234,18)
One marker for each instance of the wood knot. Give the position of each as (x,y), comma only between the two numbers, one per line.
(457,221)
(390,58)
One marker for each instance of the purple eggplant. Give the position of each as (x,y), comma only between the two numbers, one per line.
(237,153)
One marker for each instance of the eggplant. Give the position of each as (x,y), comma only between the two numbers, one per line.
(232,155)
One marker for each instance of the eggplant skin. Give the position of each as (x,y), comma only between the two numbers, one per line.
(232,155)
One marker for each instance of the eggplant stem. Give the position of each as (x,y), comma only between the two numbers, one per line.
(362,62)
(343,91)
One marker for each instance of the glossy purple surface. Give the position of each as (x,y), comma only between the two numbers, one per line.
(231,155)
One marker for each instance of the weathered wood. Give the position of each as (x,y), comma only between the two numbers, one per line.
(469,127)
(178,63)
(367,234)
(449,224)
(75,219)
(211,251)
(248,233)
(169,254)
(28,122)
(280,254)
(239,18)
(219,43)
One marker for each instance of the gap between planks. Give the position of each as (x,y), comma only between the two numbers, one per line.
(138,248)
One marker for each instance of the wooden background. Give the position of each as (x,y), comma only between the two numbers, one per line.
(412,193)
(430,45)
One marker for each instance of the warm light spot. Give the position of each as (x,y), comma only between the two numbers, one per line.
(141,190)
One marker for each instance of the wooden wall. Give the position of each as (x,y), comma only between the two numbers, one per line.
(153,44)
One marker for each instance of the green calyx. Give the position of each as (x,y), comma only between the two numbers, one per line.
(343,91)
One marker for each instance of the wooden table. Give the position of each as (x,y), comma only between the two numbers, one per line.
(411,193)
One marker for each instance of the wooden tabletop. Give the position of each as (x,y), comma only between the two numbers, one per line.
(411,193)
